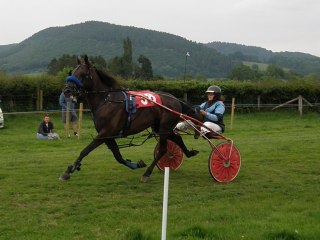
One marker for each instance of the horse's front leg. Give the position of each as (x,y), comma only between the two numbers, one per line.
(76,165)
(113,146)
(162,150)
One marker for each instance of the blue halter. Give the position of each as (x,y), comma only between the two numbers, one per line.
(74,80)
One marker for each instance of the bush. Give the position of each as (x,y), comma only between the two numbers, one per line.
(23,89)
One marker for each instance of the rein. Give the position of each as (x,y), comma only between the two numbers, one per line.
(104,91)
(106,97)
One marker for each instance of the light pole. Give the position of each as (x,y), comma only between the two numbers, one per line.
(185,66)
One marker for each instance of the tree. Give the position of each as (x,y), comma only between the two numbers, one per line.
(145,70)
(275,71)
(241,72)
(99,62)
(123,65)
(57,65)
(66,61)
(127,59)
(115,66)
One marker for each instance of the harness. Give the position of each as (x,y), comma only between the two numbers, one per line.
(132,100)
(130,107)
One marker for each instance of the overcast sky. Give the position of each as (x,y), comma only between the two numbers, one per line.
(277,25)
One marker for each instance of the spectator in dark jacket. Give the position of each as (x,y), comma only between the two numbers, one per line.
(46,129)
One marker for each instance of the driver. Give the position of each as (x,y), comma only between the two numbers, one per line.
(212,112)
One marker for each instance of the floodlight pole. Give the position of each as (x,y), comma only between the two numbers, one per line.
(185,66)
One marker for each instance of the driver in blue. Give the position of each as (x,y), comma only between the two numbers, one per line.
(212,112)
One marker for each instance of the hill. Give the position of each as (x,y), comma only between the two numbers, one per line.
(167,52)
(301,63)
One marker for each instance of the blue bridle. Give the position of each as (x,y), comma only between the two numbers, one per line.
(74,80)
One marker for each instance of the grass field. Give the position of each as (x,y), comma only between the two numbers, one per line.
(275,196)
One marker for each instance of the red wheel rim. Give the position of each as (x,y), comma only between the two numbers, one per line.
(173,157)
(222,167)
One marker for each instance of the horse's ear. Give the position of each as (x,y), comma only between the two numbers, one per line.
(78,60)
(86,60)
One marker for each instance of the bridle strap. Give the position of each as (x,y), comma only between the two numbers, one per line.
(105,91)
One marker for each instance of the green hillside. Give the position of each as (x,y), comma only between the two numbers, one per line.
(167,52)
(298,62)
(258,53)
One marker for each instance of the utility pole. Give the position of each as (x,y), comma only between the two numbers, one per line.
(185,65)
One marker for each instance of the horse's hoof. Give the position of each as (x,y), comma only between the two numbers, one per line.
(192,153)
(144,179)
(141,164)
(64,176)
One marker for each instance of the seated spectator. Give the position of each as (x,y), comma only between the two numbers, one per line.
(46,129)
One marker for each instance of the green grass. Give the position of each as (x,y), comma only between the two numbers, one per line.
(275,196)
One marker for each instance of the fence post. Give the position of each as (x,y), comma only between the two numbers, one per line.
(259,102)
(80,119)
(300,106)
(232,113)
(38,97)
(67,119)
(185,97)
(40,100)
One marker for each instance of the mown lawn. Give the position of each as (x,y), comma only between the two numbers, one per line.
(275,196)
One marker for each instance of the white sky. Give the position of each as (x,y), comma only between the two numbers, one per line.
(277,25)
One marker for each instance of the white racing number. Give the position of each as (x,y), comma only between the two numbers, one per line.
(149,96)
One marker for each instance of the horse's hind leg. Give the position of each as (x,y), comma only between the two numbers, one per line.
(112,145)
(178,140)
(162,151)
(76,165)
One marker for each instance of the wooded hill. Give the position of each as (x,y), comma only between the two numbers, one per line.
(167,52)
(298,62)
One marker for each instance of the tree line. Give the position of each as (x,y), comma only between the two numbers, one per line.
(125,67)
(122,66)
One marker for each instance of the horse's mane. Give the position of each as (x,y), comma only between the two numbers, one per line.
(106,78)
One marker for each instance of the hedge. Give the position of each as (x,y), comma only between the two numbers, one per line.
(21,90)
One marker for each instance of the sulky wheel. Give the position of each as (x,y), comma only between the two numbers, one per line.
(173,157)
(224,162)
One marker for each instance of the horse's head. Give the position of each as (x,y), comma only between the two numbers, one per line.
(85,77)
(79,78)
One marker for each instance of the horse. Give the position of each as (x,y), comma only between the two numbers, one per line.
(107,102)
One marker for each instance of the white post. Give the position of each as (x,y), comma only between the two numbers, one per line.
(165,203)
(232,113)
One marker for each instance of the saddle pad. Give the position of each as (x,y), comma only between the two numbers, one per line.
(143,101)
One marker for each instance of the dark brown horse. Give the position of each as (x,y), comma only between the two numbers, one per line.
(107,101)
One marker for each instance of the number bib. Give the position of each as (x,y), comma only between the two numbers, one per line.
(143,101)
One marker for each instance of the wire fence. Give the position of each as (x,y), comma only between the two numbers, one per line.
(26,104)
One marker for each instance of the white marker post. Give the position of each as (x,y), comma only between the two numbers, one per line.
(165,203)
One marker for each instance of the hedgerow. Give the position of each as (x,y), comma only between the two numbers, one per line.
(24,88)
